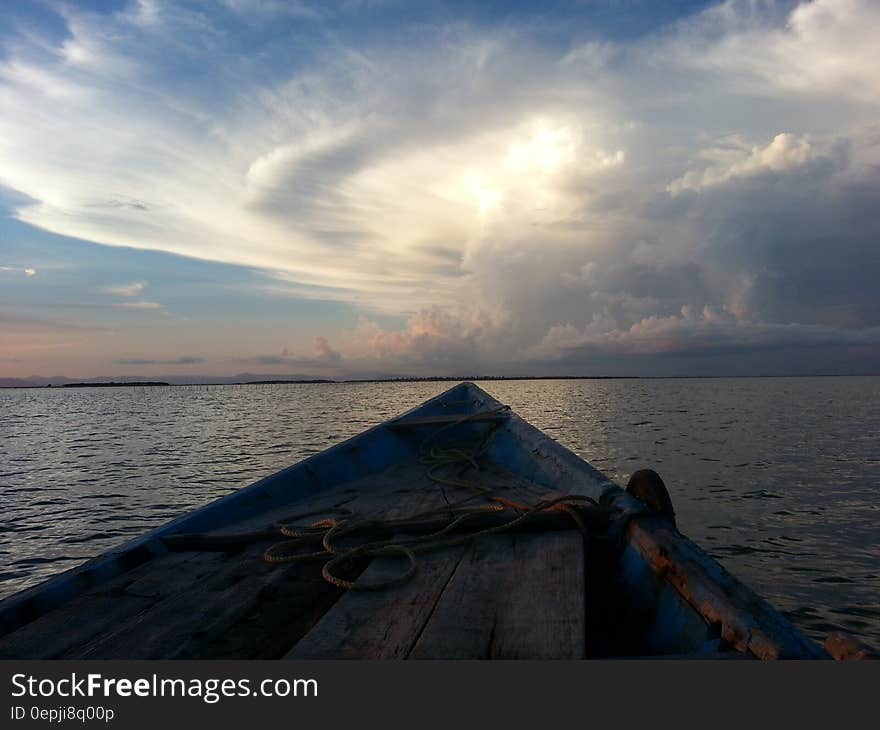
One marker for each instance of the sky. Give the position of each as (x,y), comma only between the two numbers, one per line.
(385,188)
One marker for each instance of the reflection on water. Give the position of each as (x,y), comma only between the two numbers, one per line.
(778,478)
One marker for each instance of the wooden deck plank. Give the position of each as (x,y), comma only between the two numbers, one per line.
(385,624)
(343,496)
(511,597)
(64,630)
(388,624)
(183,625)
(446,420)
(382,624)
(68,627)
(283,611)
(382,495)
(162,577)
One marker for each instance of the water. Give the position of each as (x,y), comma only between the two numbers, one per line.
(778,478)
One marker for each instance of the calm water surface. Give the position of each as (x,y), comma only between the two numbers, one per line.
(778,478)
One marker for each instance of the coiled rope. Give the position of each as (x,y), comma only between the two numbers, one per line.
(326,532)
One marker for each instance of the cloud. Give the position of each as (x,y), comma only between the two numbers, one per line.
(184,360)
(324,352)
(709,330)
(126,290)
(273,9)
(34,336)
(15,323)
(784,153)
(323,355)
(134,289)
(434,339)
(140,305)
(28,271)
(304,167)
(503,197)
(819,48)
(270,359)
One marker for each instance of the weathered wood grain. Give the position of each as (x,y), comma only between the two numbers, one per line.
(511,597)
(284,611)
(66,629)
(391,624)
(380,624)
(421,421)
(547,521)
(384,624)
(192,623)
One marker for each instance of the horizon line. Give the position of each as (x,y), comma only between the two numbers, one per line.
(99,382)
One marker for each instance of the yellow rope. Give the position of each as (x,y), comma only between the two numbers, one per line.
(325,532)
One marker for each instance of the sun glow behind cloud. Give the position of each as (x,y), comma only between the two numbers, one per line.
(509,199)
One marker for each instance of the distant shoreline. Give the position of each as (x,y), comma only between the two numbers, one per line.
(108,384)
(431,379)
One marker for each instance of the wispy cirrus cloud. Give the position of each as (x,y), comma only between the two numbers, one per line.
(126,290)
(26,270)
(28,337)
(141,305)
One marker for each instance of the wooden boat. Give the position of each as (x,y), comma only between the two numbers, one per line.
(457,530)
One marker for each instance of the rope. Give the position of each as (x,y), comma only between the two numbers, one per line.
(326,532)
